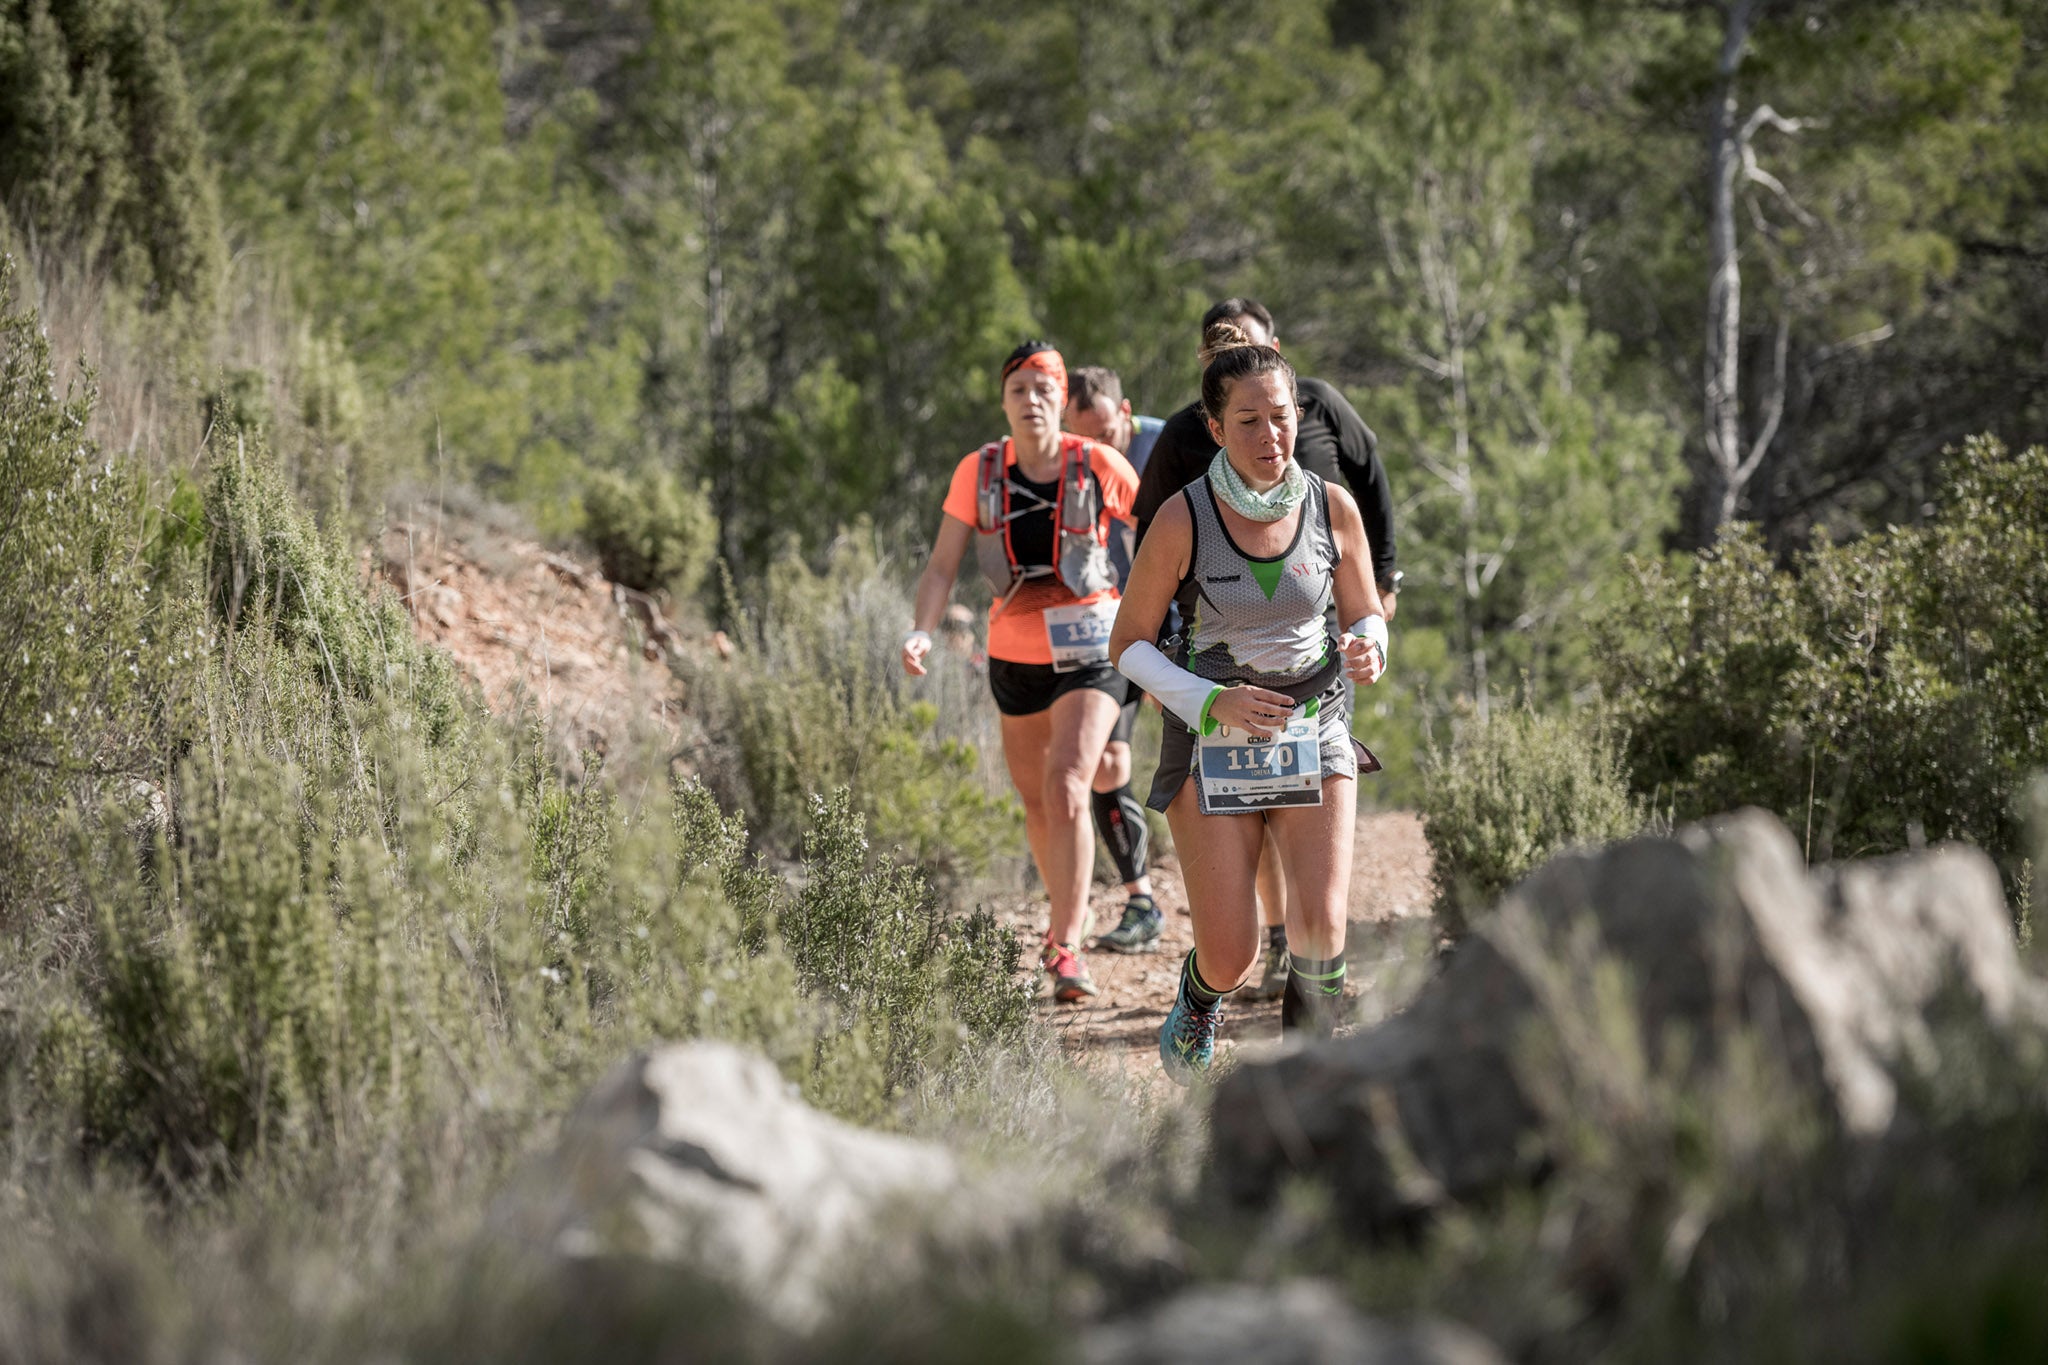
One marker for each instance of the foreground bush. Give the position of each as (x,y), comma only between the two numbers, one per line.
(94,652)
(1511,791)
(356,912)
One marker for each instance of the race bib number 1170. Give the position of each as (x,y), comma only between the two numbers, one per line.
(1241,771)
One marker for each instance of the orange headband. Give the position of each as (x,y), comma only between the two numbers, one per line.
(1047,361)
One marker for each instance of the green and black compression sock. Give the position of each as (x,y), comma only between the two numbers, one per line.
(1200,993)
(1315,994)
(1121,822)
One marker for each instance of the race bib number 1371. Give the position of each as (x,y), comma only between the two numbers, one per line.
(1079,634)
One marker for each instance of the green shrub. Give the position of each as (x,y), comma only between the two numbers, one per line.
(650,531)
(92,651)
(368,908)
(267,989)
(1885,690)
(870,939)
(816,699)
(278,980)
(270,570)
(1510,792)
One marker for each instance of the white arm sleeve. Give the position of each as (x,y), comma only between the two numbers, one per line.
(1373,628)
(1178,690)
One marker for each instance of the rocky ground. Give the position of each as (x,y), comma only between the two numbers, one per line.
(535,628)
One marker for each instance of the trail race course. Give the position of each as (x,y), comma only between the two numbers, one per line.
(1390,896)
(533,627)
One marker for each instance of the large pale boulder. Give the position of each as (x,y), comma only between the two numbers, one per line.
(702,1154)
(1719,933)
(1302,1322)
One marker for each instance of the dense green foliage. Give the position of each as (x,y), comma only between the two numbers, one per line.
(815,698)
(650,532)
(1887,689)
(773,249)
(104,155)
(92,650)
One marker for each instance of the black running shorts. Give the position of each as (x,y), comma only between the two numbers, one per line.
(1027,689)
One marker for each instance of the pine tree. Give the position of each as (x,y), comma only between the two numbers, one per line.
(101,154)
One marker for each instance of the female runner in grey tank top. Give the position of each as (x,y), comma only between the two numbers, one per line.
(1257,726)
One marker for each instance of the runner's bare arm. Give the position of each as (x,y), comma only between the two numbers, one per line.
(1357,595)
(1155,577)
(934,586)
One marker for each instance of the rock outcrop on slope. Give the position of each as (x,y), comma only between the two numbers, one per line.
(1840,980)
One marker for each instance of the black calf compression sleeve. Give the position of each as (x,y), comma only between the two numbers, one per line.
(1121,821)
(1315,994)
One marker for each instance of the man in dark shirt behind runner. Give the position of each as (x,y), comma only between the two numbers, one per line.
(1333,441)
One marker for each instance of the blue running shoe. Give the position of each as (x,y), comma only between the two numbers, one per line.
(1187,1040)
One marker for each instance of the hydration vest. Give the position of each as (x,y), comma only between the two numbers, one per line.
(1079,546)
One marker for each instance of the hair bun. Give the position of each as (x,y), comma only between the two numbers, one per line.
(1219,337)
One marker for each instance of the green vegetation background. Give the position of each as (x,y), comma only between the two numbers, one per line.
(719,289)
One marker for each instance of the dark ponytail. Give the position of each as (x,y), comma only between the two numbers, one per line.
(1228,355)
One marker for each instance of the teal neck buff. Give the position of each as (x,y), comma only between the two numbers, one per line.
(1271,505)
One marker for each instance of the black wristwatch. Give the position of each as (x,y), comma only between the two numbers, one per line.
(1392,583)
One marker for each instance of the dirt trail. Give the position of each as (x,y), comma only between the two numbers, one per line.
(1390,884)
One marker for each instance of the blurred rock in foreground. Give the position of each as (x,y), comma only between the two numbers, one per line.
(1838,981)
(1303,1322)
(700,1153)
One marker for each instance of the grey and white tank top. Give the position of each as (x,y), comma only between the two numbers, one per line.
(1260,621)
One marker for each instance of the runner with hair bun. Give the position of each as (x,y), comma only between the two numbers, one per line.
(1037,507)
(1332,440)
(1258,726)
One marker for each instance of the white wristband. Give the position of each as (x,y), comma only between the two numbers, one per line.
(1178,690)
(918,637)
(1373,628)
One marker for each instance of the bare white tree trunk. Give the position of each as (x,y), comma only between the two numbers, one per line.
(1724,274)
(725,479)
(1460,320)
(1733,163)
